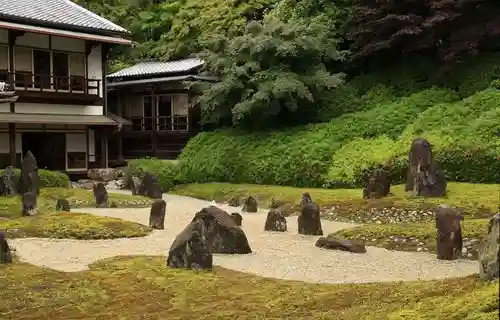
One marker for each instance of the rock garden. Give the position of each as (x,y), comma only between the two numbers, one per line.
(104,250)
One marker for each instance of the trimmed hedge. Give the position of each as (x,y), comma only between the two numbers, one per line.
(166,171)
(298,156)
(48,179)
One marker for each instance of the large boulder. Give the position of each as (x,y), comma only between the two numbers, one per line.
(8,183)
(377,185)
(29,180)
(449,233)
(5,254)
(100,195)
(192,248)
(157,214)
(105,174)
(339,244)
(249,205)
(489,252)
(309,221)
(425,177)
(227,237)
(275,221)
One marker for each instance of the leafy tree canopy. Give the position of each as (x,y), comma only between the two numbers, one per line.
(269,73)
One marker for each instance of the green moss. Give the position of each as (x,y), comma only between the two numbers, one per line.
(417,235)
(10,207)
(70,225)
(112,288)
(476,200)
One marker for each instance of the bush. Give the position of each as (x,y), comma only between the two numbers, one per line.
(299,156)
(48,179)
(166,171)
(463,135)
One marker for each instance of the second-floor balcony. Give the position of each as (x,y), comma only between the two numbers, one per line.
(30,85)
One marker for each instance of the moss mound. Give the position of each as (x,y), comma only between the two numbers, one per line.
(112,288)
(69,225)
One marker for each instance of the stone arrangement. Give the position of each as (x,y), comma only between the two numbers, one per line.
(157,214)
(275,204)
(238,219)
(8,183)
(249,205)
(275,221)
(489,251)
(5,254)
(28,203)
(28,179)
(192,248)
(339,244)
(134,184)
(234,202)
(425,177)
(100,195)
(63,205)
(377,185)
(309,221)
(150,187)
(449,233)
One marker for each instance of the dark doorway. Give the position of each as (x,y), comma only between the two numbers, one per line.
(49,149)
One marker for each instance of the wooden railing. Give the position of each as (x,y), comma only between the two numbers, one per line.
(171,123)
(28,81)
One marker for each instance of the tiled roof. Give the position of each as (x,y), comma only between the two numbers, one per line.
(60,12)
(147,68)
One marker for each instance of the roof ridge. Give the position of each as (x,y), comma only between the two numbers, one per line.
(82,9)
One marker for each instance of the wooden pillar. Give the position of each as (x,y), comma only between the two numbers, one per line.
(104,148)
(154,137)
(12,144)
(119,109)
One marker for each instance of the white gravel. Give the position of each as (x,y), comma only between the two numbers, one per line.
(277,255)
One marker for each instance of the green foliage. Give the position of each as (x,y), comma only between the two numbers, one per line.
(272,70)
(166,171)
(464,136)
(298,156)
(48,179)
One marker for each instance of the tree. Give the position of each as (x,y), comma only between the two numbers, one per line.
(271,74)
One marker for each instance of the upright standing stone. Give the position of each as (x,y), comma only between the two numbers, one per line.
(146,182)
(157,214)
(154,191)
(309,220)
(134,184)
(5,254)
(249,205)
(28,179)
(238,219)
(489,252)
(63,205)
(449,233)
(425,177)
(275,221)
(8,183)
(28,201)
(100,195)
(305,199)
(377,185)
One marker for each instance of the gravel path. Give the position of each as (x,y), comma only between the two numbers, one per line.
(277,255)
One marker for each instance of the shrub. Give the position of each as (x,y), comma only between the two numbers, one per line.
(297,156)
(48,179)
(166,171)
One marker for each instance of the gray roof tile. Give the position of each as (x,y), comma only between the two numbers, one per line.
(63,12)
(146,68)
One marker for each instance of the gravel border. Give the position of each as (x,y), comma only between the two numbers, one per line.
(285,255)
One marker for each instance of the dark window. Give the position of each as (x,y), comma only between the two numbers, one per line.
(164,113)
(41,66)
(60,70)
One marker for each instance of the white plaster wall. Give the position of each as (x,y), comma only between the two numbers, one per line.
(68,44)
(181,104)
(4,36)
(4,143)
(76,142)
(4,57)
(95,67)
(4,107)
(23,59)
(136,106)
(34,40)
(58,109)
